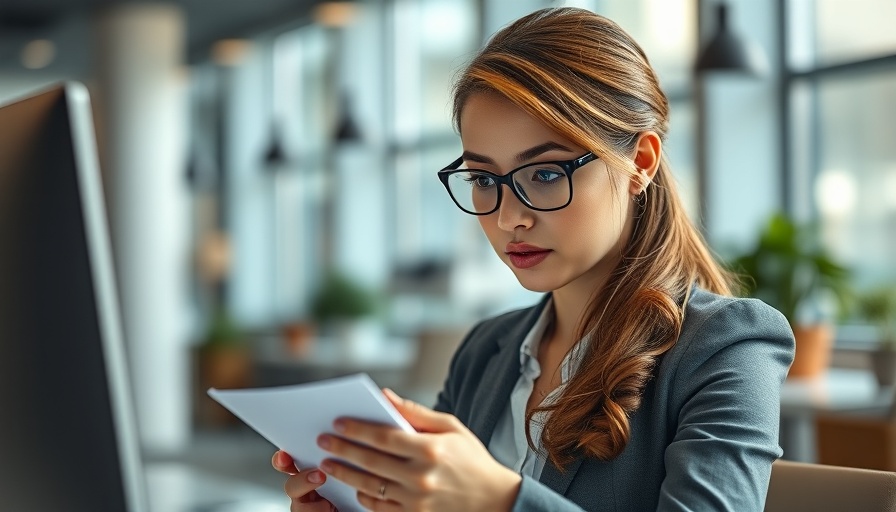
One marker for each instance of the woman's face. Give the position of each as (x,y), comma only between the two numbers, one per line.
(574,248)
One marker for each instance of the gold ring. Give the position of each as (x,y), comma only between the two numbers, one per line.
(383,491)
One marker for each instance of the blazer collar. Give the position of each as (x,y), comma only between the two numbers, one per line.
(502,371)
(501,375)
(559,481)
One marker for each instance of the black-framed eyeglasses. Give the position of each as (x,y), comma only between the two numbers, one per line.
(542,186)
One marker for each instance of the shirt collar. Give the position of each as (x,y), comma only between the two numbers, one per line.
(532,342)
(529,348)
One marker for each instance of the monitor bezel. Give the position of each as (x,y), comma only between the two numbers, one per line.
(84,144)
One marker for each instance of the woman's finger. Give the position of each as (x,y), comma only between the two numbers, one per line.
(383,439)
(422,418)
(364,457)
(366,483)
(301,486)
(378,505)
(283,463)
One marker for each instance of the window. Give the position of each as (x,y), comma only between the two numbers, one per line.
(842,89)
(841,92)
(853,30)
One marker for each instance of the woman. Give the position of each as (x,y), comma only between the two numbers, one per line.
(638,382)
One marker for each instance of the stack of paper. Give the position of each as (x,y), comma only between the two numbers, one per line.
(292,417)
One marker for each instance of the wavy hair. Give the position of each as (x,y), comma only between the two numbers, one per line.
(587,79)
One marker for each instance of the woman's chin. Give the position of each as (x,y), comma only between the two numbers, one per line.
(538,284)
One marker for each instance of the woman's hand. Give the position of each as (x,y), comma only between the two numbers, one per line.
(302,486)
(441,467)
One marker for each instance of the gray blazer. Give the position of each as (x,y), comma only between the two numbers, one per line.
(704,437)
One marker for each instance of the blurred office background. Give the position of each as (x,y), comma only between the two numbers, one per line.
(255,151)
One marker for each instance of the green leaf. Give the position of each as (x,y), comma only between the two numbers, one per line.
(339,297)
(788,266)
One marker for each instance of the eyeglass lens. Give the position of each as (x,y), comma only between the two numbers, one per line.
(542,186)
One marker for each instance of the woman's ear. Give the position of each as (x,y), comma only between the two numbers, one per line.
(648,152)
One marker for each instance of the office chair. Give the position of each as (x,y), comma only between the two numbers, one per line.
(797,486)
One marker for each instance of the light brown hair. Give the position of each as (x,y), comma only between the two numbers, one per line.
(586,79)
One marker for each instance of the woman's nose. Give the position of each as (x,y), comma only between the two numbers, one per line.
(512,213)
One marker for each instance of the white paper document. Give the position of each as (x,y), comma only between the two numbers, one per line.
(292,417)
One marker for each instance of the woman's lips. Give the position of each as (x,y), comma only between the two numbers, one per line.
(524,255)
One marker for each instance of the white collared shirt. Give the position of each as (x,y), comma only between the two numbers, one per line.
(508,443)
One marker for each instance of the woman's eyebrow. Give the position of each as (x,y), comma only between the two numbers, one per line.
(521,157)
(533,152)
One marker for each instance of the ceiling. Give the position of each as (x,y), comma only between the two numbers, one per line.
(67,24)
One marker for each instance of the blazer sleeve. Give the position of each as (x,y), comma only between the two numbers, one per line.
(534,496)
(727,385)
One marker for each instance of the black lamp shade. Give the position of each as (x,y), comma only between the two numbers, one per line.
(728,52)
(347,130)
(275,156)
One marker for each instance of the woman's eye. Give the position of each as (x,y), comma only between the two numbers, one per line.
(546,176)
(481,181)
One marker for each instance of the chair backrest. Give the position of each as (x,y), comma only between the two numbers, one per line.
(436,347)
(796,486)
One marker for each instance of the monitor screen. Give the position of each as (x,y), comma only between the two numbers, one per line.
(67,434)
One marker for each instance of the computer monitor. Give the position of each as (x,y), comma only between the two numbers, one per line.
(67,432)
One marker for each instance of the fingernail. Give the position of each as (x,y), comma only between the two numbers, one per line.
(326,466)
(392,395)
(339,425)
(315,477)
(323,442)
(283,459)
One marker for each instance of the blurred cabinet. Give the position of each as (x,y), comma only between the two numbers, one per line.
(859,441)
(837,392)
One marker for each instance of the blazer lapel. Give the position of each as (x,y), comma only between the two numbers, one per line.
(501,375)
(559,482)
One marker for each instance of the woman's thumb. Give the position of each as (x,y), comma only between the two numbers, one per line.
(422,418)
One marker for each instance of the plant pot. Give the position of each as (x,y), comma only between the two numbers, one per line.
(224,367)
(813,350)
(883,362)
(298,337)
(358,339)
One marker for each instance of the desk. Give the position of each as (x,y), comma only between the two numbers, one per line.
(838,390)
(178,487)
(386,360)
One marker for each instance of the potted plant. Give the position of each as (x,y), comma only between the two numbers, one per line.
(789,269)
(345,310)
(878,306)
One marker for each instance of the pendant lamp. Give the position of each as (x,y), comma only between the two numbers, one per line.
(728,52)
(275,156)
(347,130)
